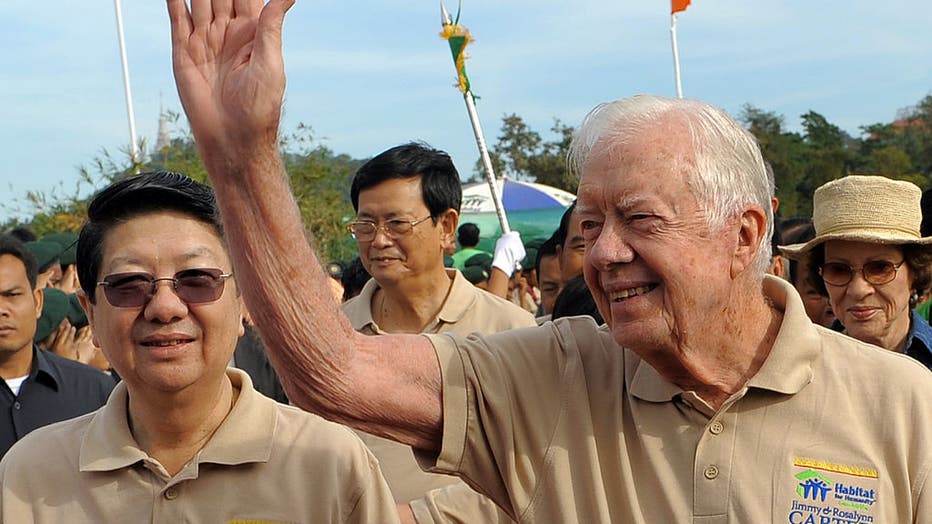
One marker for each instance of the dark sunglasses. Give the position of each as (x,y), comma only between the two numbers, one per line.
(193,286)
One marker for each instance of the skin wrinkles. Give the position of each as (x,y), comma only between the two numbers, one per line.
(877,314)
(646,229)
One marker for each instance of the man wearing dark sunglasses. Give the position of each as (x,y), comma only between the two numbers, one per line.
(183,437)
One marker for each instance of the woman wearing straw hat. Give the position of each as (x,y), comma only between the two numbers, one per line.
(869,257)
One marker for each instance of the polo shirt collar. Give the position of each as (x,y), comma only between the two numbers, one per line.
(787,369)
(459,300)
(457,304)
(244,436)
(42,370)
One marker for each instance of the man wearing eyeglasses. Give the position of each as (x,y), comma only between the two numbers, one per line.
(407,202)
(182,438)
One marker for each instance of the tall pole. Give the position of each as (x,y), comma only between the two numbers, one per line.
(676,57)
(447,22)
(134,149)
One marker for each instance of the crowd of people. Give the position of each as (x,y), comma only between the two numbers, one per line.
(673,352)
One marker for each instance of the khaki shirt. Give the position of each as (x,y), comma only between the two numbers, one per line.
(267,462)
(467,309)
(560,424)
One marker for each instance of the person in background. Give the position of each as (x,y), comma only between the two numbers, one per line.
(183,438)
(869,257)
(817,305)
(354,278)
(548,275)
(571,245)
(250,356)
(925,229)
(407,202)
(39,387)
(47,257)
(575,299)
(468,237)
(66,259)
(708,396)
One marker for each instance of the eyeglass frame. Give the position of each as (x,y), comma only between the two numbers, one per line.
(852,270)
(383,226)
(216,273)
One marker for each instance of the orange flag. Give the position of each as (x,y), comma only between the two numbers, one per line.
(678,5)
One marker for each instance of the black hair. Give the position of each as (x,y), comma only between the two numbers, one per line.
(13,246)
(547,249)
(354,278)
(576,299)
(440,183)
(468,234)
(800,232)
(559,236)
(137,195)
(925,204)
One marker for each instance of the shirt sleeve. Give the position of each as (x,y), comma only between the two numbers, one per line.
(502,400)
(457,503)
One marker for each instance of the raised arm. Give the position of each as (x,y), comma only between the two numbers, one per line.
(227,57)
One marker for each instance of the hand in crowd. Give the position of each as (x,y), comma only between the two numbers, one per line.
(69,281)
(84,347)
(62,340)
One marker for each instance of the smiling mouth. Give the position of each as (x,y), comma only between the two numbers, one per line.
(165,343)
(631,292)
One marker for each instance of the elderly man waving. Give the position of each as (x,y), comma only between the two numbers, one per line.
(709,396)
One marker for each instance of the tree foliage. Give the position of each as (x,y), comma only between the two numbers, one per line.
(522,154)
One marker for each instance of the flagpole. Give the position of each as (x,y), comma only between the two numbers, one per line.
(134,150)
(676,56)
(445,21)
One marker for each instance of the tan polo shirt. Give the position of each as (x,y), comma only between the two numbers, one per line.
(467,309)
(267,462)
(561,424)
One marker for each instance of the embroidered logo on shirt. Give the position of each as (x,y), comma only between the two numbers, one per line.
(832,493)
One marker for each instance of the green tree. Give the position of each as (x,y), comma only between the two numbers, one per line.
(522,154)
(785,152)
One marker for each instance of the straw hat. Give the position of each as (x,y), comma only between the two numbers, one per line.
(864,208)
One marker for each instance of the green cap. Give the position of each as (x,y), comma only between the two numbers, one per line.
(69,245)
(46,252)
(476,274)
(479,259)
(530,258)
(55,306)
(76,314)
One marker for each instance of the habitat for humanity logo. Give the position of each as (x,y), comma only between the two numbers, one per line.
(813,485)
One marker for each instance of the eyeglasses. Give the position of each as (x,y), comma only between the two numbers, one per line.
(875,272)
(193,286)
(365,230)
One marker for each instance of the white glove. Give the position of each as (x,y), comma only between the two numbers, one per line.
(509,250)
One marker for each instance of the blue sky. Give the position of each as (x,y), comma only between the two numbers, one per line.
(369,75)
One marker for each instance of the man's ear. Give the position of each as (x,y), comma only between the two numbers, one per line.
(89,311)
(752,226)
(38,296)
(448,221)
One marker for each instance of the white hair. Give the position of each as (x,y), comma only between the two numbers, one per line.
(729,171)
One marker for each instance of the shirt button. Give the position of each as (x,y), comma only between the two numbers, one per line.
(711,472)
(717,427)
(171,493)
